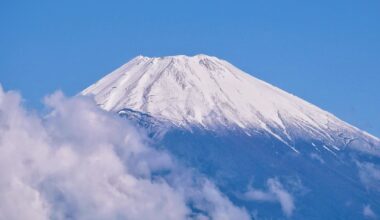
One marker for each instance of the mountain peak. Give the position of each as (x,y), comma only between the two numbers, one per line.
(208,92)
(179,60)
(178,57)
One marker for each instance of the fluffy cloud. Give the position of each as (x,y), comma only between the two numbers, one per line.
(79,162)
(274,193)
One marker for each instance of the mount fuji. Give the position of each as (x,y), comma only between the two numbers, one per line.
(269,151)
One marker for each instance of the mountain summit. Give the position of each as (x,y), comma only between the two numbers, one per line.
(207,92)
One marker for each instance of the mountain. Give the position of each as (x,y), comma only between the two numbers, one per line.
(211,93)
(239,130)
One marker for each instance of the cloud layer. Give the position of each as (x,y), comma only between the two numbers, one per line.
(79,162)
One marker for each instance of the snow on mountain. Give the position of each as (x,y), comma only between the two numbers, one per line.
(208,92)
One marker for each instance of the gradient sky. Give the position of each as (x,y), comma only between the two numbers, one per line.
(326,52)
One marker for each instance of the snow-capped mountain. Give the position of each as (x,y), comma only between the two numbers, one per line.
(270,152)
(210,93)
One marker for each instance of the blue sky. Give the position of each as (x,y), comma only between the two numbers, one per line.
(327,52)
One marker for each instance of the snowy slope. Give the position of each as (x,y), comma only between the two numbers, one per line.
(210,93)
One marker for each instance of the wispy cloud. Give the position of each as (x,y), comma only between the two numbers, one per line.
(368,212)
(275,193)
(79,162)
(369,174)
(317,157)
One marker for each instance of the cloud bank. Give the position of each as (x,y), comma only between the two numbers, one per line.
(79,162)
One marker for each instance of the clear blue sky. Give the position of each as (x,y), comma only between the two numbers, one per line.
(327,52)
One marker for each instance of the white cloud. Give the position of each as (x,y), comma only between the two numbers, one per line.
(275,193)
(368,212)
(317,157)
(369,175)
(79,162)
